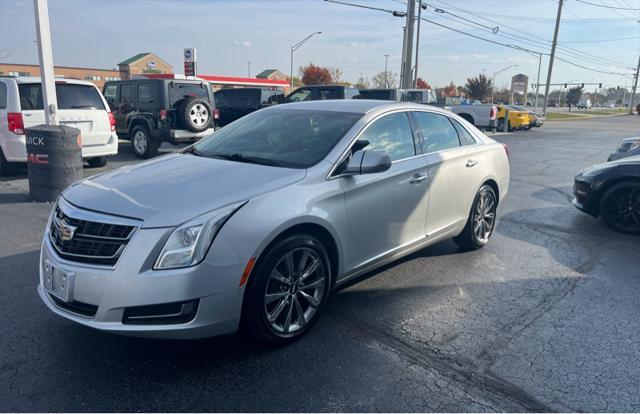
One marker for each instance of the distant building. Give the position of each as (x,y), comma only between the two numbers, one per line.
(97,76)
(273,74)
(143,63)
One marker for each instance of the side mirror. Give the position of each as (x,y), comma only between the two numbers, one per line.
(367,162)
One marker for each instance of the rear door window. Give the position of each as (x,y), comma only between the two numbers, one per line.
(3,95)
(70,96)
(127,92)
(303,94)
(437,132)
(269,97)
(145,93)
(180,91)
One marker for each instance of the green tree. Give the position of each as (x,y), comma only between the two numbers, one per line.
(573,95)
(479,87)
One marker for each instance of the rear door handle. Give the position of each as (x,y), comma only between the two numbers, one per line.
(417,178)
(471,163)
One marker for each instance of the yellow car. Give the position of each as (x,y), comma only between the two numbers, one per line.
(517,119)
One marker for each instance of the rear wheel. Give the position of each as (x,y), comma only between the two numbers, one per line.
(287,290)
(481,221)
(97,162)
(142,144)
(620,207)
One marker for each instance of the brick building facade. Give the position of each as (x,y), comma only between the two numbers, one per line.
(97,76)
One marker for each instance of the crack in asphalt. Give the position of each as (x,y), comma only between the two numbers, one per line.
(462,371)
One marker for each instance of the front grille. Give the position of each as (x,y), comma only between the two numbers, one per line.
(88,241)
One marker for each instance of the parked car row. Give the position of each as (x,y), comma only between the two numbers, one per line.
(79,104)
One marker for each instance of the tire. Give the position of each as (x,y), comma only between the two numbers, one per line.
(277,308)
(142,144)
(620,207)
(473,238)
(97,162)
(5,167)
(195,114)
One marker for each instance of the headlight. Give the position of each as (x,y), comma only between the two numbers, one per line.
(189,243)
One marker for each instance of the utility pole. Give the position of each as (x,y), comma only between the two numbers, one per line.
(45,56)
(635,87)
(406,78)
(415,74)
(553,54)
(535,105)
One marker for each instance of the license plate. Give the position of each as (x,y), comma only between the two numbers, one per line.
(58,282)
(85,127)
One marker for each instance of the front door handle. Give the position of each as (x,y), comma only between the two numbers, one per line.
(417,178)
(471,163)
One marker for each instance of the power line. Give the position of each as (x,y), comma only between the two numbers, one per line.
(601,41)
(607,7)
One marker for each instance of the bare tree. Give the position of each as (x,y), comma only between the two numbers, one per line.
(336,74)
(380,81)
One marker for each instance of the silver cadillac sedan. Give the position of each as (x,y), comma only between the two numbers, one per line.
(254,226)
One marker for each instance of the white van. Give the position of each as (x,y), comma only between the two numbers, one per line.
(80,105)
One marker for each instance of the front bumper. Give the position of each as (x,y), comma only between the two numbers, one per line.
(132,283)
(583,198)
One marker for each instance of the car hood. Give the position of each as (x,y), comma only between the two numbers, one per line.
(170,190)
(594,170)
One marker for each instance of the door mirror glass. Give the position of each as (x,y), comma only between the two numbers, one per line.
(367,162)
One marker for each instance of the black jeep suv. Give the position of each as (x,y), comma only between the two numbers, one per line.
(234,103)
(149,111)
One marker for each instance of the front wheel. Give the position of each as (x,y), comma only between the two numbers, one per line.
(481,221)
(620,207)
(287,290)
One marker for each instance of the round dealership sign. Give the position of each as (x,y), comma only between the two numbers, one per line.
(151,64)
(188,54)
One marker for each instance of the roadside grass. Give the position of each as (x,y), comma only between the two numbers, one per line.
(556,116)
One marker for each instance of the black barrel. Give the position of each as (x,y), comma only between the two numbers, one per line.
(54,160)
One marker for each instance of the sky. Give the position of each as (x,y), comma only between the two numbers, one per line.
(228,33)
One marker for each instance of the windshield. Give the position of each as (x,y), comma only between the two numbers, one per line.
(284,137)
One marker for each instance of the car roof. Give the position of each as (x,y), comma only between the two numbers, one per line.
(37,79)
(358,106)
(630,139)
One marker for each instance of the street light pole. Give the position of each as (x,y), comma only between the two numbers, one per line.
(493,82)
(45,56)
(553,54)
(386,58)
(296,47)
(535,105)
(248,69)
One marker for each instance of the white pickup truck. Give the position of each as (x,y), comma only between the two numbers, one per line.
(481,115)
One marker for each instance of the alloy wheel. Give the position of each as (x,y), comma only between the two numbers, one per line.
(199,115)
(484,215)
(622,209)
(294,291)
(140,142)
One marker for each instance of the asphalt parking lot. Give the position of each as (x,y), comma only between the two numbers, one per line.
(544,318)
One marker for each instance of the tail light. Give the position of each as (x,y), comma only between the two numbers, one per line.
(216,113)
(112,121)
(506,149)
(163,115)
(16,124)
(492,113)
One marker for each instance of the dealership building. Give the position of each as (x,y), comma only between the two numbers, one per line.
(145,64)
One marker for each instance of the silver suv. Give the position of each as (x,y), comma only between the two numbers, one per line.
(80,105)
(256,224)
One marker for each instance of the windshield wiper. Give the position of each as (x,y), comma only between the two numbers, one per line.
(244,158)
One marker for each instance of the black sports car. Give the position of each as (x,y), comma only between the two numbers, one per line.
(611,190)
